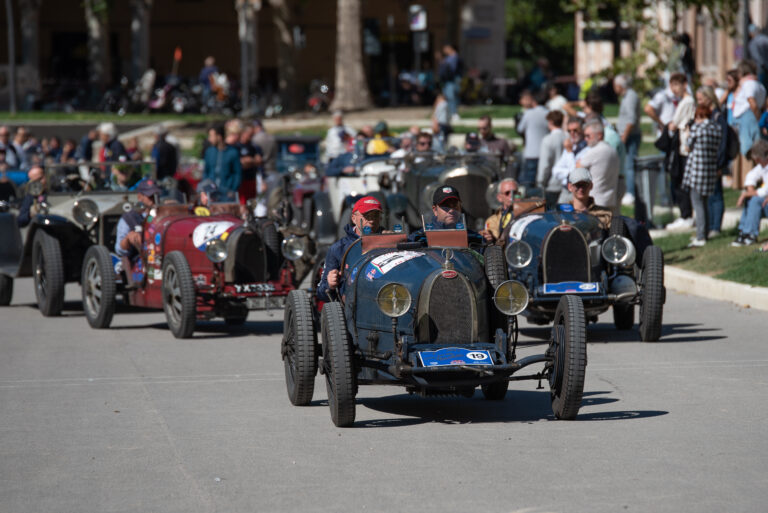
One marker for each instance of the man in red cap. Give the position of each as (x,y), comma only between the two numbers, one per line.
(365,218)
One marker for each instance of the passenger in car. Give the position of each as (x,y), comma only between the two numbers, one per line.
(494,225)
(366,217)
(129,229)
(580,185)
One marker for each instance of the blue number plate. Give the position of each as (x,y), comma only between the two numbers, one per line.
(454,356)
(571,287)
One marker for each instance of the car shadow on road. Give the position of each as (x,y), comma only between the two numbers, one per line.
(518,406)
(606,332)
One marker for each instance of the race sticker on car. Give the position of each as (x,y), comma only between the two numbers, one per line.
(388,261)
(454,356)
(519,226)
(571,287)
(205,232)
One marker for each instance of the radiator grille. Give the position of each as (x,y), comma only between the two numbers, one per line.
(566,256)
(449,315)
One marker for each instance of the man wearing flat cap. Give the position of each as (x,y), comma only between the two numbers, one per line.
(129,228)
(365,218)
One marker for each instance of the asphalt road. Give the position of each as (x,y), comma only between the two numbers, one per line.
(133,420)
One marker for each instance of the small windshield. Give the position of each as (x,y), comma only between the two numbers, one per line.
(96,176)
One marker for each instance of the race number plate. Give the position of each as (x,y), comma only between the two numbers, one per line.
(571,287)
(454,356)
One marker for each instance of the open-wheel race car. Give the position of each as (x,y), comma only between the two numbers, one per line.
(563,252)
(423,314)
(194,267)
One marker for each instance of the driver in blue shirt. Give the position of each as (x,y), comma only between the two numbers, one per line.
(366,214)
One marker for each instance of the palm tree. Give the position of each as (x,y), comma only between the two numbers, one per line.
(351,87)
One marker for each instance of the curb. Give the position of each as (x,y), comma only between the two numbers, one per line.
(694,284)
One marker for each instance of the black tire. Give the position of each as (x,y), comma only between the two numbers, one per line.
(623,316)
(6,289)
(344,220)
(652,294)
(299,348)
(98,287)
(340,379)
(618,227)
(495,391)
(569,350)
(48,271)
(495,266)
(179,298)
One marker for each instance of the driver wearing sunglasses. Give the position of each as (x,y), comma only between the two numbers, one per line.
(494,225)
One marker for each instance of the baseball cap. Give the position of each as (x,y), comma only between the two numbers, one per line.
(443,193)
(579,174)
(366,204)
(206,186)
(148,187)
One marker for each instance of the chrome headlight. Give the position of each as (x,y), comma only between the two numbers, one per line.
(85,212)
(216,250)
(519,254)
(293,248)
(393,300)
(511,297)
(618,250)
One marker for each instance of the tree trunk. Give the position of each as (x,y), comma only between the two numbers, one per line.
(351,88)
(140,16)
(97,23)
(286,53)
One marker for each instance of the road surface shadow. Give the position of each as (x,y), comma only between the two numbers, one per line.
(518,406)
(606,332)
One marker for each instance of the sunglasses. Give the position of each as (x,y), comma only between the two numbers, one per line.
(422,143)
(373,215)
(574,131)
(447,207)
(582,185)
(512,193)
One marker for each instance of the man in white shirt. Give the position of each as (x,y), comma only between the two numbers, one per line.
(661,108)
(533,127)
(754,197)
(551,148)
(602,161)
(574,146)
(335,139)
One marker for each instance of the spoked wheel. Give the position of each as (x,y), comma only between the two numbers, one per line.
(652,294)
(340,379)
(568,348)
(299,353)
(623,316)
(48,273)
(179,299)
(6,289)
(98,287)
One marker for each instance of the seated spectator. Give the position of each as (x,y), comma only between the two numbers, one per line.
(754,197)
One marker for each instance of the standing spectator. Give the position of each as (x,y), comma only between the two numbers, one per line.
(222,163)
(268,145)
(706,96)
(20,139)
(441,120)
(661,108)
(54,150)
(701,168)
(758,52)
(628,126)
(69,151)
(85,148)
(208,71)
(7,188)
(680,124)
(728,97)
(748,103)
(602,161)
(164,153)
(250,162)
(133,150)
(574,147)
(493,144)
(12,160)
(533,126)
(555,100)
(337,136)
(754,197)
(450,78)
(551,149)
(112,150)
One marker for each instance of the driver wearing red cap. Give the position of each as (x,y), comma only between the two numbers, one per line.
(366,215)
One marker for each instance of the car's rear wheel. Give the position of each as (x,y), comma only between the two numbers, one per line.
(495,391)
(623,316)
(568,348)
(299,348)
(98,287)
(179,299)
(48,269)
(340,378)
(652,294)
(6,289)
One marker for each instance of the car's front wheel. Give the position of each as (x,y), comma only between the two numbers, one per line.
(48,271)
(340,378)
(568,348)
(299,351)
(6,289)
(98,287)
(179,300)
(652,294)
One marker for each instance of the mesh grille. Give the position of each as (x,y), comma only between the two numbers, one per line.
(450,312)
(250,260)
(566,256)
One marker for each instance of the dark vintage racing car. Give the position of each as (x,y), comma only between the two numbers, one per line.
(563,252)
(425,316)
(195,267)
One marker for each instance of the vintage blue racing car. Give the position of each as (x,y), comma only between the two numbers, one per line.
(423,314)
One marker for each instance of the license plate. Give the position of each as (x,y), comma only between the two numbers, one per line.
(245,288)
(455,356)
(571,287)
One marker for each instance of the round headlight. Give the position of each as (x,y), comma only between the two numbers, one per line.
(618,250)
(519,254)
(293,248)
(85,212)
(216,250)
(511,297)
(393,299)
